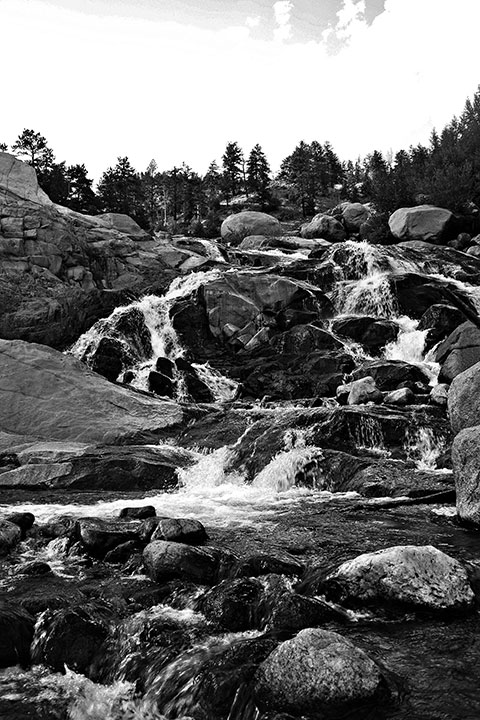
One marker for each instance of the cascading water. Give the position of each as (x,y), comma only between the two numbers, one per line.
(164,340)
(365,288)
(410,347)
(425,448)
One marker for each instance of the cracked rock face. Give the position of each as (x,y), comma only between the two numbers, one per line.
(315,669)
(421,576)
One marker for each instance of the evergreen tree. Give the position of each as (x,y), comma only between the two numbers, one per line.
(232,163)
(258,175)
(3,147)
(296,170)
(81,196)
(120,190)
(32,147)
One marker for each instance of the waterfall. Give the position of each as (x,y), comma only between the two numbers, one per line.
(368,435)
(410,347)
(164,340)
(365,288)
(424,448)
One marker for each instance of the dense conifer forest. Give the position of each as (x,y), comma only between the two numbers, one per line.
(446,172)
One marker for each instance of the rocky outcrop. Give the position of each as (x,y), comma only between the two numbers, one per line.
(419,576)
(50,396)
(240,225)
(243,309)
(61,270)
(325,227)
(423,222)
(313,671)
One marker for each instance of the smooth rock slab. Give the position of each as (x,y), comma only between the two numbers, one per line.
(421,576)
(52,396)
(314,670)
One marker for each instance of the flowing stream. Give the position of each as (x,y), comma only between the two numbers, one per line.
(272,513)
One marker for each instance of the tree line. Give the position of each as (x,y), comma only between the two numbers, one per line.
(446,172)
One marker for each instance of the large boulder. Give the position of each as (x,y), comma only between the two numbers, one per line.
(419,576)
(240,225)
(424,222)
(440,320)
(166,560)
(354,215)
(314,671)
(388,374)
(372,333)
(464,399)
(466,471)
(459,351)
(325,227)
(51,396)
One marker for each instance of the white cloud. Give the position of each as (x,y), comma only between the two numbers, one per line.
(102,87)
(253,22)
(351,19)
(282,10)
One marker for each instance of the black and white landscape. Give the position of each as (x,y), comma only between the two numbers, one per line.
(240,427)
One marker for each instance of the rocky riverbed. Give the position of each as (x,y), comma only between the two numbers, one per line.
(251,491)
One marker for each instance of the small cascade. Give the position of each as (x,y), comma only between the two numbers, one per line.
(410,347)
(365,288)
(368,435)
(424,448)
(164,341)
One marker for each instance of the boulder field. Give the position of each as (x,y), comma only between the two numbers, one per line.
(233,496)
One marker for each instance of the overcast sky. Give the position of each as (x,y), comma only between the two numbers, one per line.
(175,80)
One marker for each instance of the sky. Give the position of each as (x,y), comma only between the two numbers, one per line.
(175,80)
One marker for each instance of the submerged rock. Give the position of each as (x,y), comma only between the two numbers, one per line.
(16,633)
(420,576)
(234,604)
(72,637)
(315,671)
(10,535)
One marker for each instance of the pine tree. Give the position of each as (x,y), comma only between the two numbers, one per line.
(120,190)
(232,163)
(258,175)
